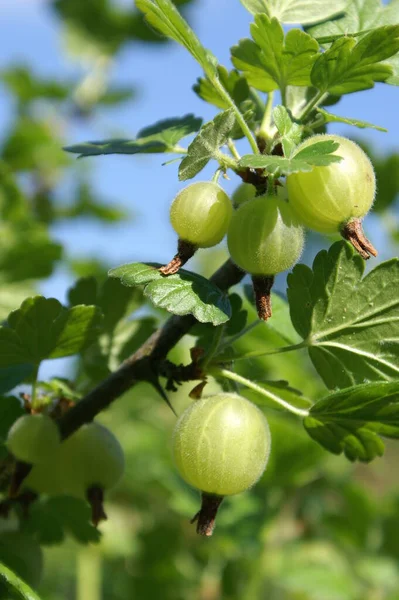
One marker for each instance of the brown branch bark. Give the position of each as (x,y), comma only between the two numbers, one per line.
(142,365)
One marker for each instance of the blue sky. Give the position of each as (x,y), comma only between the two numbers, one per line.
(31,34)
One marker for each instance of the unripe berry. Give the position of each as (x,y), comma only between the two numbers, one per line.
(326,198)
(243,193)
(33,438)
(221,444)
(200,214)
(264,237)
(336,197)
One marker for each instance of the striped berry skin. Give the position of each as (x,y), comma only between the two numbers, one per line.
(201,213)
(264,237)
(221,444)
(328,197)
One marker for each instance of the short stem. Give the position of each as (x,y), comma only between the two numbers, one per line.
(231,340)
(185,250)
(214,347)
(34,385)
(233,149)
(216,175)
(328,39)
(265,130)
(240,119)
(206,516)
(226,161)
(177,150)
(353,232)
(16,585)
(315,101)
(218,372)
(262,287)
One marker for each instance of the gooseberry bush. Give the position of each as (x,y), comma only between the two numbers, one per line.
(339,327)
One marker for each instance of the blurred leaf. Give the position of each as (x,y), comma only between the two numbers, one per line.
(26,252)
(12,295)
(166,19)
(181,294)
(352,420)
(296,11)
(42,328)
(51,519)
(350,325)
(33,144)
(10,407)
(158,138)
(271,61)
(23,555)
(362,16)
(26,87)
(330,118)
(318,154)
(86,205)
(206,144)
(235,84)
(387,175)
(13,204)
(349,66)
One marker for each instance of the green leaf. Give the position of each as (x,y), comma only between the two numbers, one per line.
(181,294)
(348,66)
(42,328)
(158,138)
(350,324)
(362,16)
(330,118)
(12,295)
(272,62)
(319,154)
(12,376)
(290,133)
(166,19)
(10,410)
(235,84)
(206,144)
(352,420)
(296,11)
(26,252)
(51,519)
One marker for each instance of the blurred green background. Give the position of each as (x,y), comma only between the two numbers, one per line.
(315,527)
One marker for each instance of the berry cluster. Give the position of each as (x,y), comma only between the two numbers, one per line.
(265,233)
(84,466)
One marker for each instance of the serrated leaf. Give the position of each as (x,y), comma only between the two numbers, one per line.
(349,66)
(350,324)
(362,15)
(234,83)
(319,154)
(51,519)
(166,19)
(158,138)
(206,144)
(42,328)
(290,133)
(272,62)
(352,420)
(330,118)
(296,11)
(181,294)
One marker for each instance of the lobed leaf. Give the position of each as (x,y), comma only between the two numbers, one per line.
(272,61)
(318,154)
(290,133)
(42,328)
(296,11)
(181,294)
(158,138)
(350,325)
(352,420)
(235,84)
(349,66)
(206,144)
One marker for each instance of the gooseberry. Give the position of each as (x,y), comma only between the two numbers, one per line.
(200,215)
(264,239)
(221,446)
(336,197)
(243,193)
(33,438)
